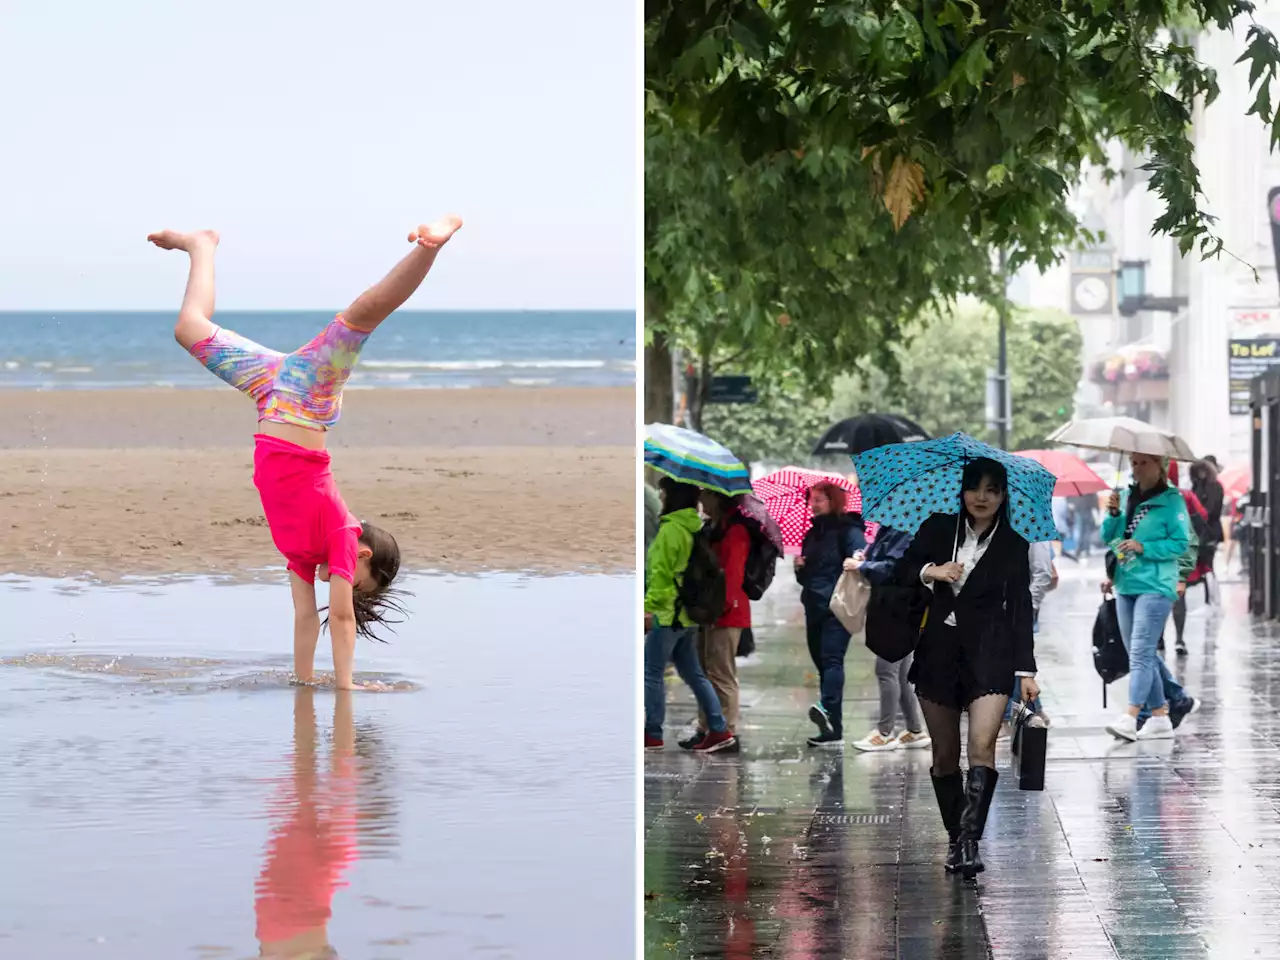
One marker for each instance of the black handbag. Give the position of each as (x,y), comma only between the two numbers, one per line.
(1030,748)
(895,617)
(1110,658)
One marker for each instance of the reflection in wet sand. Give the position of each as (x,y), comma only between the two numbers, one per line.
(153,773)
(315,819)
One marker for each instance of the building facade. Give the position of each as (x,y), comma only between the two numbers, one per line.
(1168,339)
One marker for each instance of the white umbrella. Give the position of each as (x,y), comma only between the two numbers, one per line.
(1122,435)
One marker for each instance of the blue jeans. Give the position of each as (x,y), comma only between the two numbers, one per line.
(1142,619)
(829,642)
(1173,691)
(666,645)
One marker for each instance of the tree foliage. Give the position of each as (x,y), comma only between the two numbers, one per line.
(817,175)
(943,369)
(991,106)
(781,427)
(942,366)
(786,263)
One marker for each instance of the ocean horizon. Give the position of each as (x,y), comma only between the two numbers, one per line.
(414,349)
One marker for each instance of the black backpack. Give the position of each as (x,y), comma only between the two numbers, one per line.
(1110,658)
(700,595)
(762,562)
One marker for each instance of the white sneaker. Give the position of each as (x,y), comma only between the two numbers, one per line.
(1125,727)
(875,740)
(913,741)
(1156,728)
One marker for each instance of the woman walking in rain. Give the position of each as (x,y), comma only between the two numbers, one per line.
(1149,531)
(977,638)
(830,543)
(718,644)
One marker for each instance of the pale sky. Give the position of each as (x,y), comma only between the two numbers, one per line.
(314,135)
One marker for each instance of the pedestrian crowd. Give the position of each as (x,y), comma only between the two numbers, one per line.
(949,602)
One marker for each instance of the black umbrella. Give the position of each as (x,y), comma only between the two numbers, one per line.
(866,432)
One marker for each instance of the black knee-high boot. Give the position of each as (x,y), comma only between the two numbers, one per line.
(949,790)
(977,801)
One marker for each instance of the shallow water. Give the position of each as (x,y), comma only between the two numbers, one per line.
(166,792)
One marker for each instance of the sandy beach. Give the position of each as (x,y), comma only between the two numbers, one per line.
(125,482)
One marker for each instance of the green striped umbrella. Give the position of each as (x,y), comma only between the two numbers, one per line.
(692,458)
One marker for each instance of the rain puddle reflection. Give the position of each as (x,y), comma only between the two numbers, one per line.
(168,792)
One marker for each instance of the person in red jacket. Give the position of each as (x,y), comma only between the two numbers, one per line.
(1200,523)
(718,645)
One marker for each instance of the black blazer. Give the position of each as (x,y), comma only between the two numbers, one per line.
(993,612)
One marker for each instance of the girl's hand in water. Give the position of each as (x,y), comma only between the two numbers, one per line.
(1130,546)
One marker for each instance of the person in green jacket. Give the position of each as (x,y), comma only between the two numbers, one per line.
(1149,532)
(669,636)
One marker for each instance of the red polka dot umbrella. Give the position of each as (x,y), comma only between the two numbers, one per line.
(785,494)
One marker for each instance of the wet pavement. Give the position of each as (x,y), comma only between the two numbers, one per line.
(1158,850)
(165,793)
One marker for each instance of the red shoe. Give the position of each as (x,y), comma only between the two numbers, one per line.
(653,744)
(715,742)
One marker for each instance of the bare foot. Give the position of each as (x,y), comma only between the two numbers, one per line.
(173,240)
(436,234)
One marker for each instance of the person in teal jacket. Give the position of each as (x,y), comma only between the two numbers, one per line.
(669,635)
(1149,532)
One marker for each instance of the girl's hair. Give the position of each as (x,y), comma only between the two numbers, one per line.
(835,494)
(379,606)
(678,496)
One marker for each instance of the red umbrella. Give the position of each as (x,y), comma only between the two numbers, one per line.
(785,494)
(1236,481)
(1075,477)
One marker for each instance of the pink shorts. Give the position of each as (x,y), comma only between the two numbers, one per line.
(303,387)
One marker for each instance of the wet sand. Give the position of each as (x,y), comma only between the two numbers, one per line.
(119,483)
(170,795)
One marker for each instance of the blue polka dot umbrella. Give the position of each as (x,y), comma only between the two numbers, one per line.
(692,458)
(903,483)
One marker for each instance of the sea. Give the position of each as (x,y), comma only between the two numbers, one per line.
(414,349)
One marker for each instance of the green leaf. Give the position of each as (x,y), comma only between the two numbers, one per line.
(972,66)
(746,38)
(1262,103)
